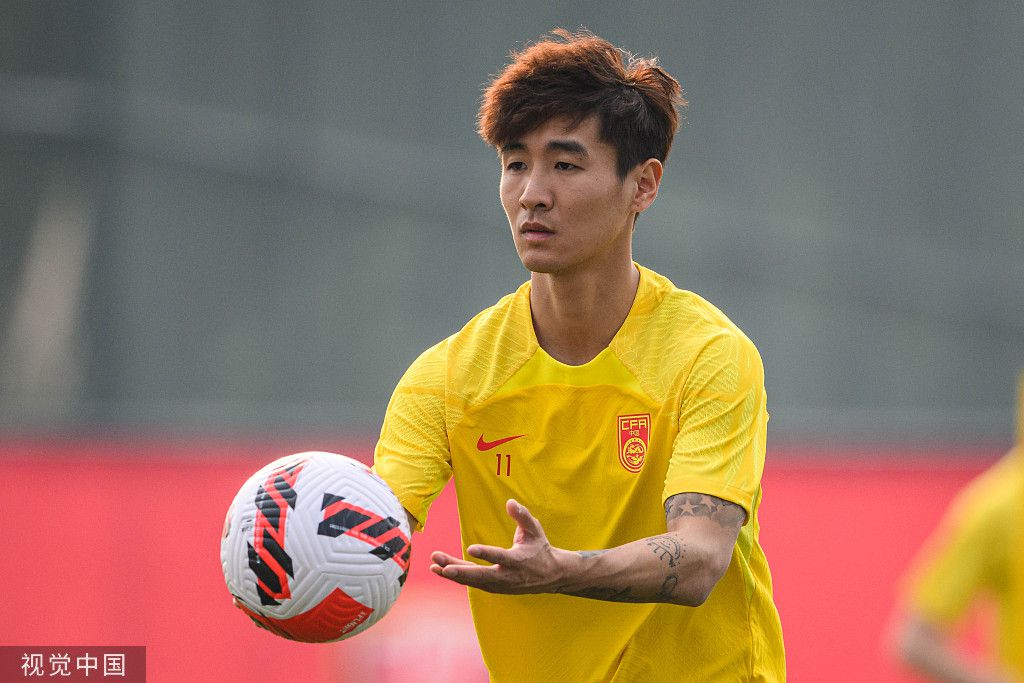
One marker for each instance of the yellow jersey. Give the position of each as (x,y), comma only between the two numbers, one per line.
(674,404)
(978,551)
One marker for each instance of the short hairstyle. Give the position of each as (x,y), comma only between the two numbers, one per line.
(579,74)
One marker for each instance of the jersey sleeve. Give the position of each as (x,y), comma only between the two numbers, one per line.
(719,449)
(966,556)
(412,454)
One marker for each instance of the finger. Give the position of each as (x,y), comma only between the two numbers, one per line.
(490,553)
(444,559)
(437,568)
(473,575)
(529,525)
(438,557)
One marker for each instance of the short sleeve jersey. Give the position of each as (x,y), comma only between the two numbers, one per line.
(978,551)
(674,404)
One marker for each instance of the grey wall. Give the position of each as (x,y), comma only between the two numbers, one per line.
(256,215)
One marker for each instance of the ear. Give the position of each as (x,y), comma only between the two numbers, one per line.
(647,177)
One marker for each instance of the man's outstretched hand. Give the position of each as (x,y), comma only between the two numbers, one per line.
(531,565)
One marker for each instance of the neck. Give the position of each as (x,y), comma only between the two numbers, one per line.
(575,316)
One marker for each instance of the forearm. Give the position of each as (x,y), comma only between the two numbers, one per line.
(681,566)
(925,649)
(664,568)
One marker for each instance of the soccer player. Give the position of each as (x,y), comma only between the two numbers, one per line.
(976,554)
(607,424)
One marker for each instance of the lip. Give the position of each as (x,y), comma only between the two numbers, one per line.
(532,230)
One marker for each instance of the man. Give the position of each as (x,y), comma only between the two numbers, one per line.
(610,425)
(976,554)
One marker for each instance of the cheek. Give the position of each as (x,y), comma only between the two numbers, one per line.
(508,203)
(617,202)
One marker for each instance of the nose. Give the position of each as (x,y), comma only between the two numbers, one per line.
(536,193)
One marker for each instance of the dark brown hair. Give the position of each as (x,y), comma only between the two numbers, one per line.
(579,74)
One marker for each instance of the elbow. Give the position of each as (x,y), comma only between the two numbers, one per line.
(694,597)
(702,581)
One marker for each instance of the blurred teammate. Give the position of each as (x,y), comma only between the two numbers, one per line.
(976,554)
(607,424)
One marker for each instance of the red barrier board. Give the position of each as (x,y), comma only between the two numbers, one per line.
(111,544)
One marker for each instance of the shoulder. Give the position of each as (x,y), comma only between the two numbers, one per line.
(508,319)
(677,333)
(474,361)
(695,317)
(680,313)
(975,531)
(428,370)
(992,495)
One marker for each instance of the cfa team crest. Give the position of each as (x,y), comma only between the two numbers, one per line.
(634,438)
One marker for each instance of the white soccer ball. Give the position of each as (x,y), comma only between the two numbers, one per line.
(315,547)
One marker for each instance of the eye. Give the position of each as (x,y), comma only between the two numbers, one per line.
(565,166)
(515,166)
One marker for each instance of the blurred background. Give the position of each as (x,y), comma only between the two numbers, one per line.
(226,229)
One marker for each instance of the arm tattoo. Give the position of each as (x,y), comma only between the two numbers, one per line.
(607,593)
(667,548)
(667,587)
(726,514)
(615,594)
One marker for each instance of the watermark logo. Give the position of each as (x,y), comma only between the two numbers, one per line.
(73,663)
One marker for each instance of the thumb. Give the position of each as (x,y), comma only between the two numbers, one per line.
(529,526)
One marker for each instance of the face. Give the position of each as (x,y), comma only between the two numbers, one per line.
(566,204)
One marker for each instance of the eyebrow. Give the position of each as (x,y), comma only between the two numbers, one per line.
(568,146)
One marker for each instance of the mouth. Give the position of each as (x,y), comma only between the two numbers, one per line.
(531,230)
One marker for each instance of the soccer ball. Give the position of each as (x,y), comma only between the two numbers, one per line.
(315,547)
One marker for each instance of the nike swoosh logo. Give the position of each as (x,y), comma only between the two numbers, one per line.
(482,445)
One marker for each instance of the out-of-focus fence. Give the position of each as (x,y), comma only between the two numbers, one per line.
(236,215)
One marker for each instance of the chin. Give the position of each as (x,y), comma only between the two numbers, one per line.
(536,264)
